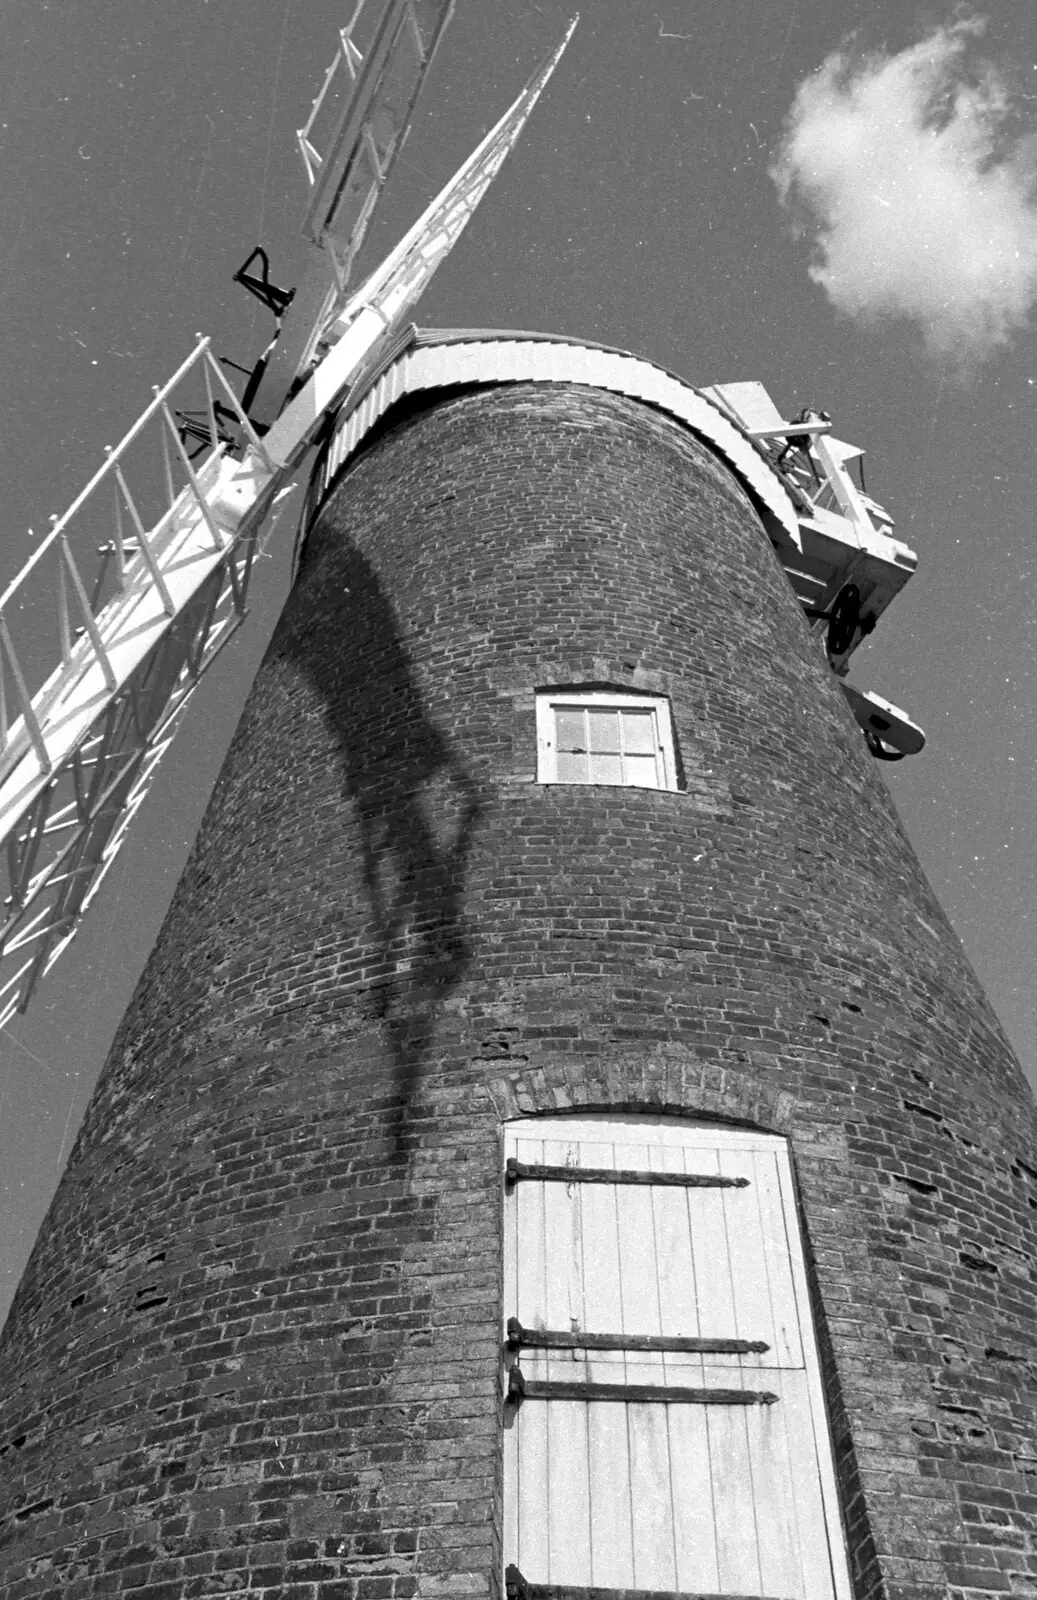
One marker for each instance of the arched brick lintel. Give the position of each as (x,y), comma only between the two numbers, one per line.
(680,1089)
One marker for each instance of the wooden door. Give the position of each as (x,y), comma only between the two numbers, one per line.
(698,1460)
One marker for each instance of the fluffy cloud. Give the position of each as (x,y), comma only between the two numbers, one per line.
(911,175)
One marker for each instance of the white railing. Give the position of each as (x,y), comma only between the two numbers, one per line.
(359,121)
(347,59)
(132,593)
(115,537)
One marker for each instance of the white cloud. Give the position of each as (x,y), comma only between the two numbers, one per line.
(911,174)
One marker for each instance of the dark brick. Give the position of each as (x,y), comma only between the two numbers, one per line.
(388,939)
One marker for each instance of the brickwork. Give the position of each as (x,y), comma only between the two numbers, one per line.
(256,1349)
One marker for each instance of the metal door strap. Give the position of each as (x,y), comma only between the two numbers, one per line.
(556,1339)
(514,1170)
(519,1588)
(522,1388)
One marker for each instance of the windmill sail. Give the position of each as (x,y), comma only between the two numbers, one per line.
(135,632)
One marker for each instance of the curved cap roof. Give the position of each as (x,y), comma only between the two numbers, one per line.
(429,359)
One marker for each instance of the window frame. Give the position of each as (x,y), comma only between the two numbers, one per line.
(549,701)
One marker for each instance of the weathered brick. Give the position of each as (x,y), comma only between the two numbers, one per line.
(279,1227)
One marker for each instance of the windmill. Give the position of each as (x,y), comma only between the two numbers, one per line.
(143,613)
(471,1041)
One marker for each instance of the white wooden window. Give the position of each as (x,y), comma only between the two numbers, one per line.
(601,736)
(721,1484)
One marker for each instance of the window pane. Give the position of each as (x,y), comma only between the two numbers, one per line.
(625,740)
(640,772)
(570,729)
(606,769)
(571,768)
(639,732)
(604,732)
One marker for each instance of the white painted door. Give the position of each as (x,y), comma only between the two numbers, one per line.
(674,1494)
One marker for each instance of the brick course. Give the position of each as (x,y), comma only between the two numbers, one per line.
(257,1346)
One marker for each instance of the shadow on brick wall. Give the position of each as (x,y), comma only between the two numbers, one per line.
(417,807)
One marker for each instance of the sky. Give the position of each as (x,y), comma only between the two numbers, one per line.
(834,198)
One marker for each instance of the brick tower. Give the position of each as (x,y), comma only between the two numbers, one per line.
(557,1142)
